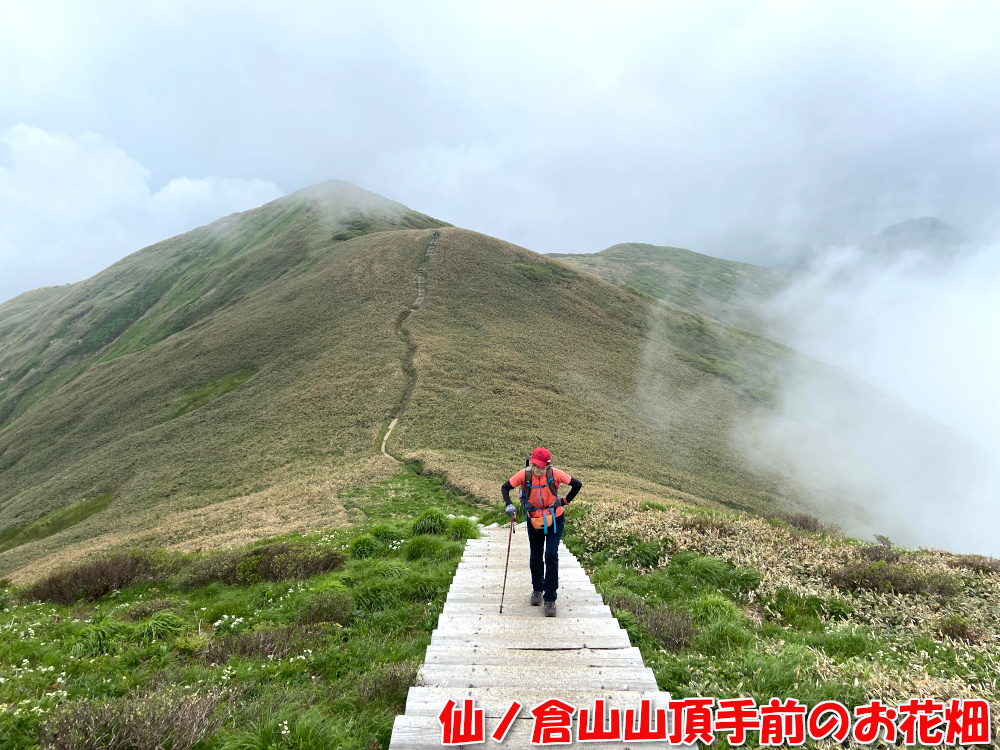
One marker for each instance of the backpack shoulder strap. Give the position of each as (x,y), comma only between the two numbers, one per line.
(551,481)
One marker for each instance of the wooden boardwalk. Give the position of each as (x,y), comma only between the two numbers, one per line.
(475,652)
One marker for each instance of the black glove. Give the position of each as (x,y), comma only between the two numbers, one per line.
(511,510)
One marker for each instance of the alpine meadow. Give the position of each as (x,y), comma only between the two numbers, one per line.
(198,524)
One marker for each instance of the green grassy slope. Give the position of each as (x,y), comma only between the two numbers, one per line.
(515,349)
(48,337)
(248,390)
(317,332)
(723,290)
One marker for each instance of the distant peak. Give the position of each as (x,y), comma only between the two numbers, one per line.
(925,232)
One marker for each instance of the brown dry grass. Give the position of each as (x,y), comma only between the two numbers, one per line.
(155,719)
(271,643)
(295,506)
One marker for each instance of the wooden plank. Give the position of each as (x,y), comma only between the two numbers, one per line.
(588,657)
(512,622)
(533,640)
(530,677)
(524,609)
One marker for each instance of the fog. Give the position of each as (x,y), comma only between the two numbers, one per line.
(921,465)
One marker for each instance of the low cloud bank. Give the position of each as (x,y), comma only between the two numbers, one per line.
(920,461)
(72,205)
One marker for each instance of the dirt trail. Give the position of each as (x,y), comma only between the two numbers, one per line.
(411,349)
(386,438)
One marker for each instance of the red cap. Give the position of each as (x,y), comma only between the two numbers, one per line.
(541,457)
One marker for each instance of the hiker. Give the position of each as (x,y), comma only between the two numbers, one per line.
(539,483)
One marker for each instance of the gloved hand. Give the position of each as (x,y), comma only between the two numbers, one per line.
(511,510)
(559,502)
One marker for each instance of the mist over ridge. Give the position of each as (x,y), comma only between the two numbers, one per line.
(911,312)
(903,313)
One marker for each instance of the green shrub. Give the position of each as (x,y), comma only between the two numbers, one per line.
(708,607)
(462,528)
(99,577)
(793,607)
(328,606)
(387,568)
(160,624)
(377,594)
(721,627)
(365,546)
(102,638)
(141,610)
(191,643)
(386,534)
(431,521)
(644,554)
(844,643)
(277,561)
(695,571)
(271,732)
(430,548)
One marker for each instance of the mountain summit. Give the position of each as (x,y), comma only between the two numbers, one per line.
(927,237)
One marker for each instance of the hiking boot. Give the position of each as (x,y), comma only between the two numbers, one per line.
(536,598)
(550,609)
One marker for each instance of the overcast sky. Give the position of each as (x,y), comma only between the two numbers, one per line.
(744,129)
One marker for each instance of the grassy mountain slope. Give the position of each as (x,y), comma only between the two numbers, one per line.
(48,337)
(515,349)
(246,394)
(722,290)
(314,333)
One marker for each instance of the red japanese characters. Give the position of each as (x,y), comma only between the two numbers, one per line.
(924,722)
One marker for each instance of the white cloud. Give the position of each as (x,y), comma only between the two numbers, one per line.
(924,334)
(739,128)
(72,205)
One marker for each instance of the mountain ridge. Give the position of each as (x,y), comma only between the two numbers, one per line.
(294,365)
(718,289)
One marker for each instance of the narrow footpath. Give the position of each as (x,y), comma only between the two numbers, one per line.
(411,349)
(475,652)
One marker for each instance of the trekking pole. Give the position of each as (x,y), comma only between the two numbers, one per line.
(510,536)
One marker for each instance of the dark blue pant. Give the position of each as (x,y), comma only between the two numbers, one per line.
(545,567)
